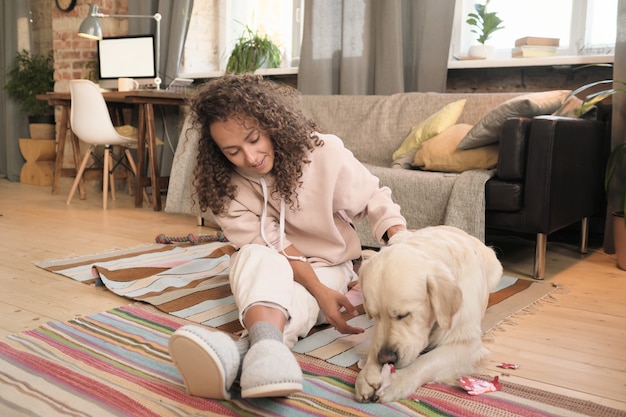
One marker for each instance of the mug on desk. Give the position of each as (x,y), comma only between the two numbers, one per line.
(126,84)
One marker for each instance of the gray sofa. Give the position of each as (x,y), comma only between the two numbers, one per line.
(373,127)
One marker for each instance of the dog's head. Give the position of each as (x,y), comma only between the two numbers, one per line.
(405,293)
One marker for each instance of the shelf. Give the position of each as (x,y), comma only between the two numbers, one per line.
(531,62)
(215,74)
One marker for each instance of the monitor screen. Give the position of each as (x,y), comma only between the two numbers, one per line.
(126,56)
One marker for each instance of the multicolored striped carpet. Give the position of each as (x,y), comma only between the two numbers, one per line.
(191,282)
(116,363)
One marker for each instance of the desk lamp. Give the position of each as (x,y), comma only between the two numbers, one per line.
(91,29)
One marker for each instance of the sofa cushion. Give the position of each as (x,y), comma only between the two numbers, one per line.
(487,130)
(440,153)
(433,125)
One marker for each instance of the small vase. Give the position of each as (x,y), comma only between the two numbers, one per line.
(481,51)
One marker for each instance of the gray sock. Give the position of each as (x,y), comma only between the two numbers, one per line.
(263,330)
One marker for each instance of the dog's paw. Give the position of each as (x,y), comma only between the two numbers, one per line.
(392,393)
(399,387)
(368,381)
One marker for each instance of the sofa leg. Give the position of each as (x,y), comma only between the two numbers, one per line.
(584,235)
(540,256)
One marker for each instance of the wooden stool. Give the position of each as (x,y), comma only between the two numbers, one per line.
(40,156)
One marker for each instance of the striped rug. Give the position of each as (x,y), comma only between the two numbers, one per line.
(191,282)
(116,363)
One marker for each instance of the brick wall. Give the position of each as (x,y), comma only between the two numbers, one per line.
(524,79)
(74,56)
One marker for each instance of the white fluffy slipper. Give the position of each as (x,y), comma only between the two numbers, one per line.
(270,370)
(208,361)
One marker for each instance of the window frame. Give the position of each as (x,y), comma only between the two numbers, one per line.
(235,11)
(566,55)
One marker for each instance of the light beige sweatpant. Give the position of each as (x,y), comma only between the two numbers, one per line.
(260,275)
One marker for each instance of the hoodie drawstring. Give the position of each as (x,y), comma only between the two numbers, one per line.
(281,224)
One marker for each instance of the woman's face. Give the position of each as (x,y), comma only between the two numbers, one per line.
(244,145)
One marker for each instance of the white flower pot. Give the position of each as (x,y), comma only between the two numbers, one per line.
(481,51)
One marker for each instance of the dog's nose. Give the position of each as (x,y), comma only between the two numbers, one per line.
(387,355)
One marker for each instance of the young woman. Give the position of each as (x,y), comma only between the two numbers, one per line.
(285,196)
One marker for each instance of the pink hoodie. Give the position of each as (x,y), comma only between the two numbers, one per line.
(336,190)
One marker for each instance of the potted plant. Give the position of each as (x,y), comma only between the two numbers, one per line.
(594,98)
(253,51)
(616,164)
(615,173)
(29,76)
(615,170)
(484,24)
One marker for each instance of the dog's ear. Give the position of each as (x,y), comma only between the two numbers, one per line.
(445,296)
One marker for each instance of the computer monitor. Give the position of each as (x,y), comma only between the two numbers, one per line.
(126,57)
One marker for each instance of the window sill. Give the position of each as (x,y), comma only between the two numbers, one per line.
(531,62)
(215,74)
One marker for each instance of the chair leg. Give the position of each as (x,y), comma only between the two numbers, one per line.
(584,235)
(133,167)
(79,174)
(539,268)
(112,174)
(105,177)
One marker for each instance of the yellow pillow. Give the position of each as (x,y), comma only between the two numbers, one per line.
(435,124)
(440,153)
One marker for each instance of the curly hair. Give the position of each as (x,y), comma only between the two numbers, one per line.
(275,108)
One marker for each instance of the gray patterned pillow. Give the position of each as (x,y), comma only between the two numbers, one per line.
(487,130)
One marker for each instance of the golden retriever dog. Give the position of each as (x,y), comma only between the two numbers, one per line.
(426,293)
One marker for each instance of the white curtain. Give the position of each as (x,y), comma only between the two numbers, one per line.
(375,47)
(15,35)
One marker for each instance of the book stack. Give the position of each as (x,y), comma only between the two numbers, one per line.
(535,47)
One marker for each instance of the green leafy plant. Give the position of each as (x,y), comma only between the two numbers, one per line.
(485,22)
(616,163)
(251,52)
(29,76)
(592,99)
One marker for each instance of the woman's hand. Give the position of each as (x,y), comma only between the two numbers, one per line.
(331,303)
(392,231)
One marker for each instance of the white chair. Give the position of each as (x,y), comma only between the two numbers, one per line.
(91,122)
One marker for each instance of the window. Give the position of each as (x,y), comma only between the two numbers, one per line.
(216,25)
(584,27)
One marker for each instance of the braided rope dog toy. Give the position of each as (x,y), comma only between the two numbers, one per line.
(191,238)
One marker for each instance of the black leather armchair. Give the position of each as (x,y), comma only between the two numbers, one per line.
(550,175)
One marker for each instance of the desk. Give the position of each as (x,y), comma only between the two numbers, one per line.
(145,101)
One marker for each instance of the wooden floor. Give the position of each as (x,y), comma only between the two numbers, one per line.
(575,345)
